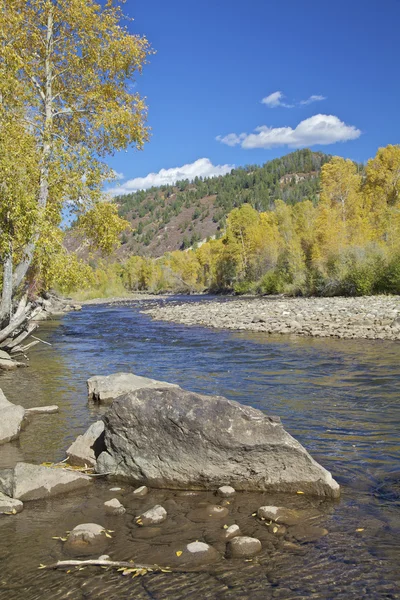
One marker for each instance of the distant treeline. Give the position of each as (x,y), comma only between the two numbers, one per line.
(348,243)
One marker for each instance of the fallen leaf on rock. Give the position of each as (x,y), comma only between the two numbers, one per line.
(178,552)
(360,529)
(225,526)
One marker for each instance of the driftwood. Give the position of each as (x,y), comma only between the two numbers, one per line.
(20,338)
(128,567)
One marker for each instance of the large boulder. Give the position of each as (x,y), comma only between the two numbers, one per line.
(33,482)
(104,389)
(11,419)
(85,449)
(171,438)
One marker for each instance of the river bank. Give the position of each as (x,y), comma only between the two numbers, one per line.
(371,317)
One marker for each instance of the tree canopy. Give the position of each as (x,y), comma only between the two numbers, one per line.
(66,102)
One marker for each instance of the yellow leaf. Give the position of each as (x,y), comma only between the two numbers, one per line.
(107,534)
(360,529)
(299,492)
(63,539)
(178,552)
(225,526)
(253,514)
(41,566)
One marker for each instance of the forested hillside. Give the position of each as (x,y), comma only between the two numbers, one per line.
(176,217)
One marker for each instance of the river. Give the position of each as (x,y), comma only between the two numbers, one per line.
(339,398)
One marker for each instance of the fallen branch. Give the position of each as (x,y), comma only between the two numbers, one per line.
(39,340)
(126,567)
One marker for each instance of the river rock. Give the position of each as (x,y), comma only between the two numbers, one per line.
(7,482)
(104,389)
(231,532)
(207,513)
(8,365)
(199,553)
(85,449)
(226,491)
(10,505)
(43,410)
(11,419)
(140,492)
(33,482)
(87,538)
(287,516)
(114,507)
(153,516)
(172,438)
(4,355)
(243,547)
(307,533)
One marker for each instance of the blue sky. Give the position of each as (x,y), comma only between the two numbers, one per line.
(218,60)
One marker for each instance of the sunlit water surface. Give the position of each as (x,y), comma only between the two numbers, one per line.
(340,398)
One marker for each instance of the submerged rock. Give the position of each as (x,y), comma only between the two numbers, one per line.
(207,513)
(171,438)
(104,389)
(85,449)
(33,482)
(243,547)
(10,505)
(87,538)
(287,516)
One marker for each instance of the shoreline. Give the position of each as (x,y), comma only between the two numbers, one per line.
(364,317)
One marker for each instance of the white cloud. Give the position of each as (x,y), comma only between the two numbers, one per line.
(202,167)
(274,100)
(317,130)
(118,176)
(313,98)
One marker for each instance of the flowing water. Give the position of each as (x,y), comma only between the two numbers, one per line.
(340,398)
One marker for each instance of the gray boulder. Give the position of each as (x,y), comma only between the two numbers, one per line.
(85,449)
(33,482)
(171,438)
(9,505)
(104,389)
(11,420)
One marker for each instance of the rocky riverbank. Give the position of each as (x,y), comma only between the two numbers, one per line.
(372,317)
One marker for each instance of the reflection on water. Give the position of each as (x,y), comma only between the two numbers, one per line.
(340,398)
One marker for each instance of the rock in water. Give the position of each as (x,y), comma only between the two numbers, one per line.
(87,538)
(11,419)
(104,390)
(243,547)
(171,438)
(85,449)
(114,507)
(9,505)
(32,482)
